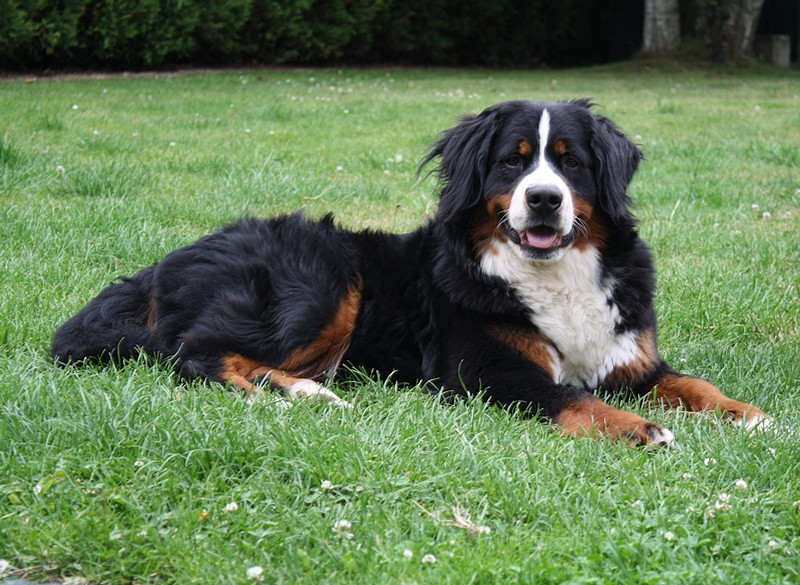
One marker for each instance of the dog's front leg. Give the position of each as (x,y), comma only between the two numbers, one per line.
(592,417)
(524,370)
(699,395)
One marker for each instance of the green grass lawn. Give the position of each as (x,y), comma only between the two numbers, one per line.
(128,475)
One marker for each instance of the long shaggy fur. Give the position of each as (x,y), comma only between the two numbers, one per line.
(531,285)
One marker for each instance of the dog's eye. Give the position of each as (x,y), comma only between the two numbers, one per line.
(514,160)
(570,162)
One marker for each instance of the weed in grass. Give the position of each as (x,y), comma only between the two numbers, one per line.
(137,473)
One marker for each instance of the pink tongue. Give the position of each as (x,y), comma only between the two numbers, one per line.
(538,240)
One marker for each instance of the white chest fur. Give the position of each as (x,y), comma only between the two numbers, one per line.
(571,306)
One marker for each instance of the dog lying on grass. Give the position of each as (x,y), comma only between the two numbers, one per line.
(530,284)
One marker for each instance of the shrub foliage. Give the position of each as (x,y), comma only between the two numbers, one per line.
(135,34)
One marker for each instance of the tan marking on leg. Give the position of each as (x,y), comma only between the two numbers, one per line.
(594,418)
(241,372)
(699,395)
(326,352)
(321,356)
(643,364)
(533,348)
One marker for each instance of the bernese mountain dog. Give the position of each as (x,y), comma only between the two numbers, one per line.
(530,285)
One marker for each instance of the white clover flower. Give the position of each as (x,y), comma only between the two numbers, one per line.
(723,497)
(60,171)
(231,507)
(138,463)
(326,485)
(709,461)
(766,215)
(740,484)
(755,207)
(342,525)
(255,573)
(408,554)
(342,528)
(637,505)
(37,489)
(687,476)
(428,559)
(669,535)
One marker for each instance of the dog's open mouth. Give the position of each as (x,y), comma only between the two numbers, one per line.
(540,241)
(541,238)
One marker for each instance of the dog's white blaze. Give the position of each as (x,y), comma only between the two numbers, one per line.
(571,307)
(542,175)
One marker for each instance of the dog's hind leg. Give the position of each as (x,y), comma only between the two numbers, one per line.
(297,373)
(249,376)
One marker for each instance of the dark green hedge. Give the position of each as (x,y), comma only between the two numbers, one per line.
(137,34)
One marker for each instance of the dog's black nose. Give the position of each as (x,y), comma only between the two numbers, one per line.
(543,200)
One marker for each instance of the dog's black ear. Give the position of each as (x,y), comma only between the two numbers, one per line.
(616,159)
(463,153)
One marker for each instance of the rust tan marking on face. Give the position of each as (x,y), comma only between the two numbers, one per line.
(485,225)
(594,418)
(560,147)
(534,348)
(591,232)
(524,148)
(637,369)
(326,352)
(699,395)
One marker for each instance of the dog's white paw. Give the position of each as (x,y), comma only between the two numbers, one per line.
(757,421)
(311,391)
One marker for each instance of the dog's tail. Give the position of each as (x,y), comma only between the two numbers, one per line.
(114,326)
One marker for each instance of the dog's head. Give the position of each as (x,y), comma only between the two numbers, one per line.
(541,177)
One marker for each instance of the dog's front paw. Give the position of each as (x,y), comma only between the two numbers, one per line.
(700,395)
(594,418)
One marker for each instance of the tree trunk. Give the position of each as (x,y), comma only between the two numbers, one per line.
(732,30)
(662,31)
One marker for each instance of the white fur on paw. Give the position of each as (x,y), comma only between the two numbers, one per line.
(313,392)
(756,422)
(662,437)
